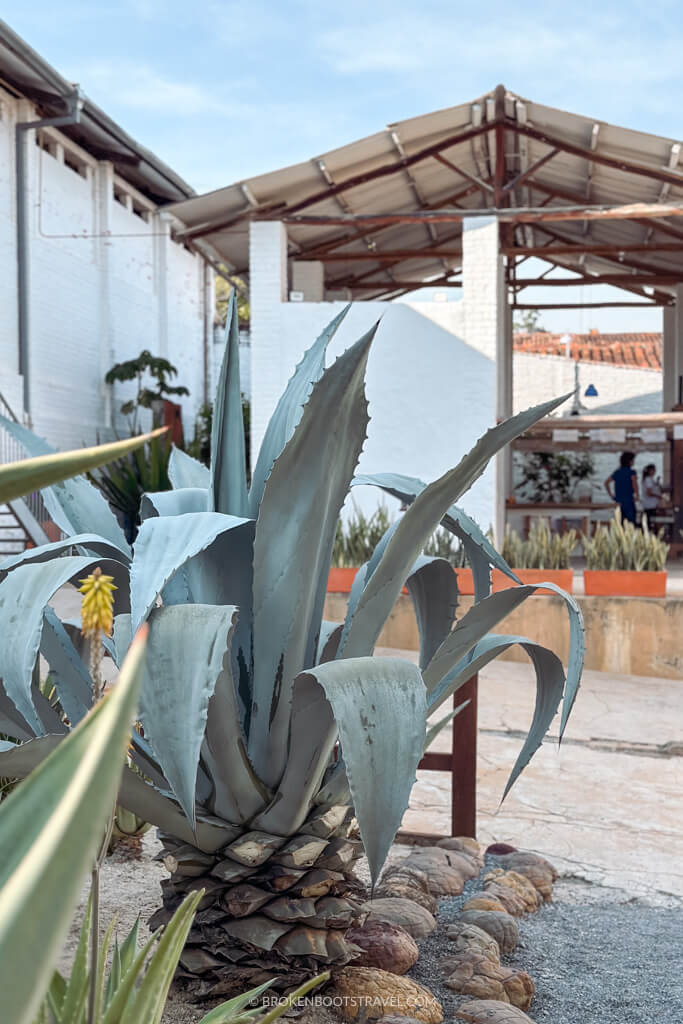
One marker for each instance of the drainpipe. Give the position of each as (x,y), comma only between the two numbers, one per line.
(74,104)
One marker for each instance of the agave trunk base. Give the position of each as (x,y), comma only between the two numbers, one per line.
(273,906)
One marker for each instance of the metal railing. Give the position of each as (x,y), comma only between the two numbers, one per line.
(12,451)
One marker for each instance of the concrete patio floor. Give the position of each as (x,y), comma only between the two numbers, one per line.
(606,807)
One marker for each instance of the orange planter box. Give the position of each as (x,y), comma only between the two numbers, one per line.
(563,578)
(340,580)
(623,583)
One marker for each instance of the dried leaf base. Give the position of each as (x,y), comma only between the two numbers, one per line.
(273,906)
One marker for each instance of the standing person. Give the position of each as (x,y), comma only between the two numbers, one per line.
(652,489)
(625,486)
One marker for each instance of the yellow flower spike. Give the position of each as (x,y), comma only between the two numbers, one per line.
(97,606)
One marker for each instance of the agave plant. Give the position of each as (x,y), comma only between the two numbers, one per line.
(265,727)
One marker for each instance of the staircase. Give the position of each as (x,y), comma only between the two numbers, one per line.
(23,522)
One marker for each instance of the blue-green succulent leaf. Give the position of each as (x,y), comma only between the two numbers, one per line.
(379,707)
(179,680)
(433,589)
(289,410)
(166,544)
(550,682)
(67,671)
(24,594)
(293,547)
(184,471)
(174,503)
(75,505)
(228,472)
(419,522)
(85,542)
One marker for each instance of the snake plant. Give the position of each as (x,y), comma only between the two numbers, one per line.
(542,549)
(621,545)
(265,727)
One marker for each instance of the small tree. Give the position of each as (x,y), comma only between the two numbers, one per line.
(529,322)
(160,370)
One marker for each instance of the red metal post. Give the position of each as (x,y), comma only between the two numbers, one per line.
(461,762)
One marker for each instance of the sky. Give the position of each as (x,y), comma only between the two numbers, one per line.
(222,90)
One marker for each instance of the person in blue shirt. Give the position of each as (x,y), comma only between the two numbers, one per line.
(622,486)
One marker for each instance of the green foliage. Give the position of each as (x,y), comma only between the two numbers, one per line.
(135,987)
(529,321)
(124,481)
(553,476)
(358,536)
(159,369)
(233,583)
(224,292)
(541,550)
(621,545)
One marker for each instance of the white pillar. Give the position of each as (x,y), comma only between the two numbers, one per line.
(267,290)
(672,351)
(488,328)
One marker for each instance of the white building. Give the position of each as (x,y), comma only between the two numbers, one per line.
(92,271)
(459,198)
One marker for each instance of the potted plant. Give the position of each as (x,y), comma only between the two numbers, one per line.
(544,556)
(623,560)
(554,477)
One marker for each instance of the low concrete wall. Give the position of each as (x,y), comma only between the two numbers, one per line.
(624,635)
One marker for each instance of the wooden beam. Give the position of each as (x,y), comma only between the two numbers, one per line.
(587,305)
(595,248)
(535,215)
(618,163)
(479,182)
(388,255)
(511,185)
(395,285)
(500,170)
(611,279)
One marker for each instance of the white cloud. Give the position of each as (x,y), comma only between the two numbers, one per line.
(140,87)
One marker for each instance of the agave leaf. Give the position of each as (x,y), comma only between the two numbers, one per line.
(164,545)
(433,589)
(174,503)
(48,467)
(151,805)
(482,617)
(88,543)
(291,999)
(292,556)
(24,593)
(69,674)
(378,705)
(75,504)
(228,473)
(479,550)
(237,793)
(184,471)
(419,522)
(50,828)
(435,730)
(550,682)
(148,1002)
(114,978)
(328,642)
(123,635)
(289,410)
(12,723)
(360,581)
(179,681)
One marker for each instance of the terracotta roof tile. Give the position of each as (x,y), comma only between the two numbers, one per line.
(642,350)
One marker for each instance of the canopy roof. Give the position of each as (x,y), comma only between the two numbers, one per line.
(25,73)
(499,153)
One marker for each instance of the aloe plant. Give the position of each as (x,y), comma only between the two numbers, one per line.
(542,549)
(265,727)
(621,545)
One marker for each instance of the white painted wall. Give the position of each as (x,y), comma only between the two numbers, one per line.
(430,395)
(104,284)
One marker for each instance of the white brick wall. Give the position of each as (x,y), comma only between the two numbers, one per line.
(104,284)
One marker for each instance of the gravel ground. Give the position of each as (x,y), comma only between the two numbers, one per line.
(596,956)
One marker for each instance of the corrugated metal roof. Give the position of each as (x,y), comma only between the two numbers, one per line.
(403,179)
